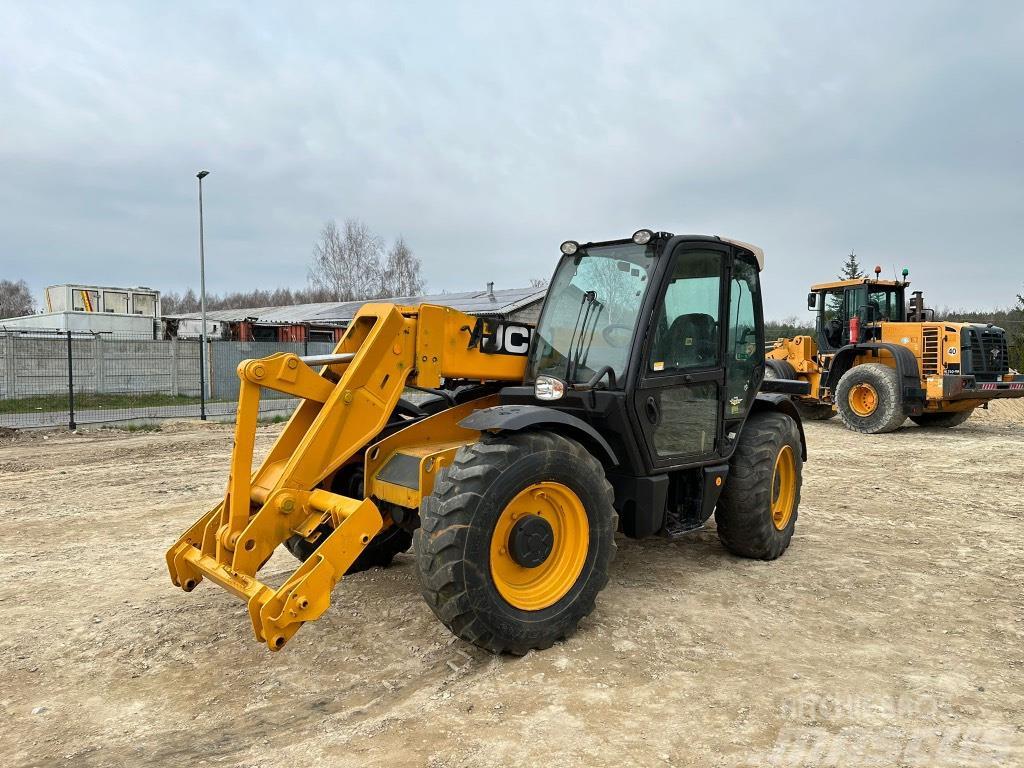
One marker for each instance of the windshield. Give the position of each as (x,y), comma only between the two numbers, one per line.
(885,304)
(590,313)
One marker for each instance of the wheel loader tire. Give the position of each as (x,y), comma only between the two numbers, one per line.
(942,419)
(778,369)
(868,399)
(757,511)
(515,540)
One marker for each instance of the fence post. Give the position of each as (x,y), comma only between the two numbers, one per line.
(174,366)
(202,378)
(71,387)
(10,368)
(99,362)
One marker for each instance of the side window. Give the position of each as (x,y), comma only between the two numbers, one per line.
(687,330)
(745,350)
(833,317)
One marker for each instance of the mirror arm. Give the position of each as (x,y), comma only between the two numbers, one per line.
(604,370)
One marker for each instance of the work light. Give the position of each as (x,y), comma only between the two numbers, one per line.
(642,236)
(569,247)
(548,388)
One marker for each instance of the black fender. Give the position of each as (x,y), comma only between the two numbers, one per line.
(779,403)
(906,367)
(515,418)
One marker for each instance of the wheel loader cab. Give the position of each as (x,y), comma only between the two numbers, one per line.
(870,302)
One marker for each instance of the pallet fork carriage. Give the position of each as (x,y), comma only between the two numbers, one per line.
(513,478)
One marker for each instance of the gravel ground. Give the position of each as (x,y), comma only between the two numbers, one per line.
(889,634)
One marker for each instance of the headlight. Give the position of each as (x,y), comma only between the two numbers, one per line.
(642,236)
(548,388)
(569,247)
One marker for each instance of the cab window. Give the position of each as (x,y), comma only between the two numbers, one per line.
(745,349)
(687,330)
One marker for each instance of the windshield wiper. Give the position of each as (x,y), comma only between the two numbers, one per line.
(577,352)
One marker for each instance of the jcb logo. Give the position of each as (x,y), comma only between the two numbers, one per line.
(495,338)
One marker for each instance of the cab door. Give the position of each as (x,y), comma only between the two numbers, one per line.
(682,372)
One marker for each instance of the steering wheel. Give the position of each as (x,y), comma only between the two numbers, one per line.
(609,334)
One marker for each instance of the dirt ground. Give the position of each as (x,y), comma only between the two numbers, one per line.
(891,633)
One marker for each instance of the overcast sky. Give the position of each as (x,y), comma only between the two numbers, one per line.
(487,136)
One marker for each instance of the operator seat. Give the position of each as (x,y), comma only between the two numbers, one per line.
(690,341)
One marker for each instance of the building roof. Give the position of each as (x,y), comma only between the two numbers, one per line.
(499,302)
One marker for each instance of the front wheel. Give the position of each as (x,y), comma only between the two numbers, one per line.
(515,541)
(954,419)
(869,400)
(757,511)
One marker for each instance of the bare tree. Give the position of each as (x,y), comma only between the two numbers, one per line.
(347,262)
(539,282)
(16,299)
(401,273)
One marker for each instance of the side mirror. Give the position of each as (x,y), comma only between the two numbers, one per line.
(812,302)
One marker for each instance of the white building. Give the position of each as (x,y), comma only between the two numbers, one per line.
(94,309)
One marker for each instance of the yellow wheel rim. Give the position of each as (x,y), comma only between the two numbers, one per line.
(863,399)
(532,589)
(783,488)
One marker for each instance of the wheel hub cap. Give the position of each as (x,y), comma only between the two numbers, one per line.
(530,541)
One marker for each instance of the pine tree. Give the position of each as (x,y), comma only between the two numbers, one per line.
(851,271)
(851,268)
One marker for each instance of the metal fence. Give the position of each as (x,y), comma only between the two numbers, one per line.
(71,378)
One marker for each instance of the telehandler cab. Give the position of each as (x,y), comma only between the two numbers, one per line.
(637,403)
(876,361)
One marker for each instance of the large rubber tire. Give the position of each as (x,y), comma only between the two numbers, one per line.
(884,382)
(778,369)
(746,515)
(458,521)
(954,419)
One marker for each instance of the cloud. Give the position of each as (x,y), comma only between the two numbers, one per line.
(488,136)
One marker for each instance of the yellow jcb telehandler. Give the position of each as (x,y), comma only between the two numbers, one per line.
(635,404)
(876,361)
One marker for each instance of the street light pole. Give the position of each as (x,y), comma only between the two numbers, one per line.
(202,302)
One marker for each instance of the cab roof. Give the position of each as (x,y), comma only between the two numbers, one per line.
(858,281)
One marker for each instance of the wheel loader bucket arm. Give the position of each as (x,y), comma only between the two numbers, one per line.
(343,406)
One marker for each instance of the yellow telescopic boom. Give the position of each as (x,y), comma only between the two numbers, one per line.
(344,406)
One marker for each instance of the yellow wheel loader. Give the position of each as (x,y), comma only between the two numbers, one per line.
(636,404)
(875,360)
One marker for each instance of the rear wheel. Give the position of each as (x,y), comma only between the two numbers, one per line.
(757,511)
(515,541)
(954,419)
(868,399)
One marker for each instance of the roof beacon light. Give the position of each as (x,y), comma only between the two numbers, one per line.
(569,247)
(905,273)
(642,236)
(878,272)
